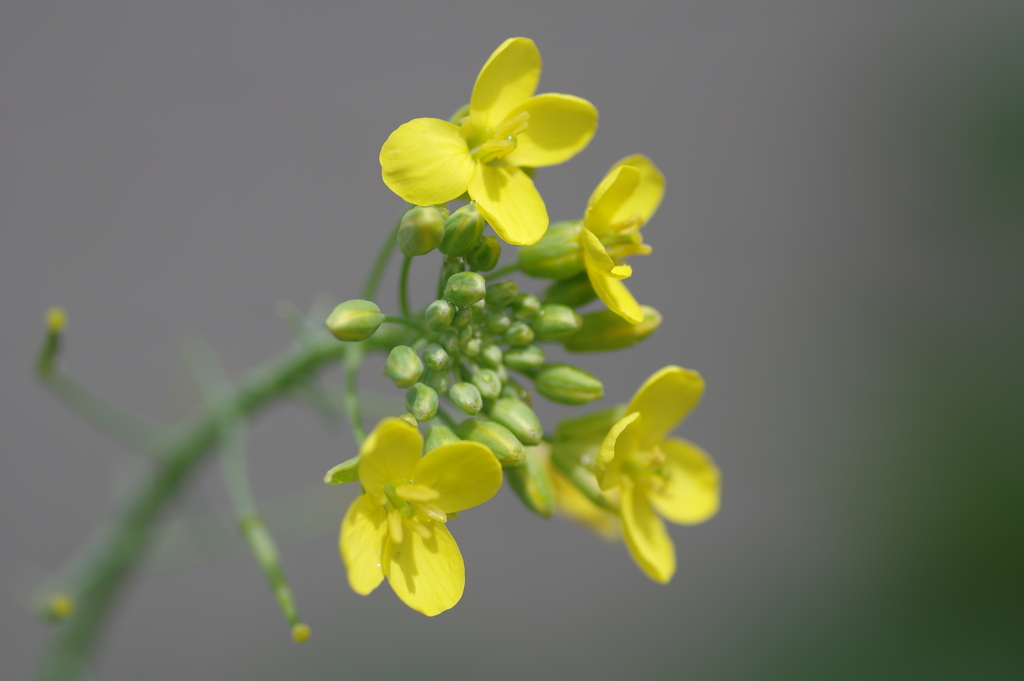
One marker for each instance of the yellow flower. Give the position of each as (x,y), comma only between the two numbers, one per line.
(428,161)
(571,503)
(396,529)
(654,472)
(624,201)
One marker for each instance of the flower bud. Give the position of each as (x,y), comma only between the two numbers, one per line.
(439,315)
(451,266)
(462,231)
(532,484)
(435,358)
(410,419)
(465,288)
(574,292)
(526,306)
(440,381)
(603,331)
(421,401)
(462,318)
(466,397)
(442,209)
(354,320)
(557,255)
(518,333)
(439,436)
(501,294)
(420,231)
(472,347)
(498,323)
(502,373)
(403,367)
(525,358)
(449,340)
(478,307)
(519,419)
(487,382)
(513,391)
(485,256)
(490,356)
(556,321)
(496,437)
(566,384)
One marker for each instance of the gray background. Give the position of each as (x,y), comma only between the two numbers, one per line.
(839,253)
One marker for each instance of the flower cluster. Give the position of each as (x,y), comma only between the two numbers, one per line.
(478,346)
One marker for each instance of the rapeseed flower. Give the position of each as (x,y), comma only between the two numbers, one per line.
(396,529)
(654,472)
(507,128)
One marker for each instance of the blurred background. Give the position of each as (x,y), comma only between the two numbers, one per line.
(840,253)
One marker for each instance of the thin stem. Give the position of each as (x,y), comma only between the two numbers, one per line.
(403,287)
(405,321)
(502,271)
(350,398)
(444,416)
(379,265)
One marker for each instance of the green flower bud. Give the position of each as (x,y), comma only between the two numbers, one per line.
(574,292)
(410,419)
(556,321)
(603,331)
(557,255)
(421,401)
(462,231)
(449,340)
(440,381)
(513,391)
(490,355)
(403,366)
(532,484)
(465,288)
(525,358)
(472,347)
(485,256)
(354,320)
(434,357)
(462,318)
(466,397)
(566,384)
(420,231)
(526,306)
(439,315)
(519,419)
(502,373)
(496,437)
(442,208)
(478,307)
(501,294)
(487,382)
(518,333)
(439,436)
(498,323)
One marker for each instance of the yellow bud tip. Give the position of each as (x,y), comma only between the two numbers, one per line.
(56,319)
(300,633)
(61,606)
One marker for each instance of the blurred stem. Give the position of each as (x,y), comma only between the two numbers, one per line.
(403,287)
(353,361)
(405,321)
(381,264)
(502,271)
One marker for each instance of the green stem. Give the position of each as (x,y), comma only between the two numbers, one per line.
(403,287)
(502,271)
(379,265)
(353,361)
(405,321)
(444,416)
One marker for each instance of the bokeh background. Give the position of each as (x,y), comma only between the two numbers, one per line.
(840,253)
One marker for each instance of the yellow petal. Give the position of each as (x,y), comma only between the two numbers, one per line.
(362,543)
(596,258)
(426,161)
(604,276)
(560,126)
(645,536)
(507,198)
(647,196)
(509,77)
(622,440)
(615,191)
(664,400)
(389,453)
(691,490)
(464,474)
(428,574)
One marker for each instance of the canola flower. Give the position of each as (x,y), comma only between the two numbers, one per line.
(507,127)
(657,474)
(397,527)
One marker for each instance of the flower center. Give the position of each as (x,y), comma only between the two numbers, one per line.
(491,144)
(409,509)
(648,472)
(623,238)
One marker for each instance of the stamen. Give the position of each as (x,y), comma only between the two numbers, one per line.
(421,529)
(512,126)
(432,512)
(493,149)
(395,527)
(416,492)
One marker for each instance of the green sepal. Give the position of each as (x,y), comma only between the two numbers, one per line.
(605,331)
(575,292)
(485,256)
(556,322)
(462,231)
(420,231)
(501,294)
(346,471)
(557,255)
(439,436)
(532,484)
(566,384)
(466,397)
(496,437)
(519,419)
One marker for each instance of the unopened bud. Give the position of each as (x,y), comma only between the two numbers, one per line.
(420,231)
(501,294)
(605,330)
(490,355)
(439,315)
(518,333)
(511,390)
(472,347)
(496,437)
(403,367)
(485,256)
(60,606)
(354,320)
(566,384)
(519,419)
(487,382)
(498,323)
(462,231)
(557,255)
(301,632)
(532,484)
(449,340)
(466,397)
(439,436)
(526,306)
(574,292)
(440,381)
(525,358)
(555,322)
(56,319)
(421,401)
(435,358)
(409,418)
(465,288)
